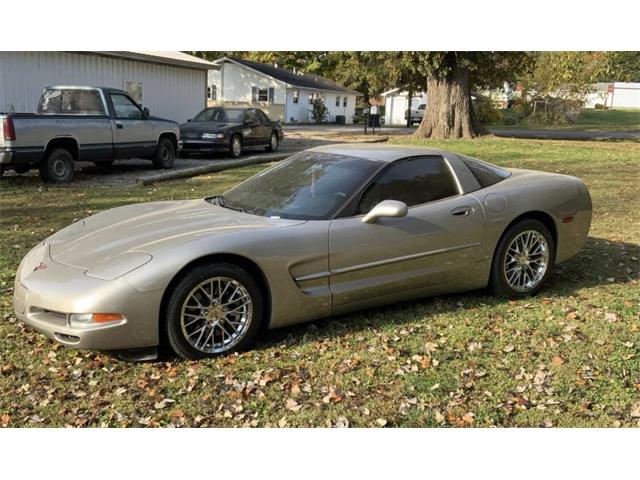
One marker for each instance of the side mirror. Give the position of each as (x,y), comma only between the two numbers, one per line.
(145,112)
(248,122)
(386,208)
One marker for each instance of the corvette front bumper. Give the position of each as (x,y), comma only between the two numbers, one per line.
(45,295)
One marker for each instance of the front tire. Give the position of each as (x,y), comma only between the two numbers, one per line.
(523,260)
(165,154)
(213,310)
(58,167)
(235,146)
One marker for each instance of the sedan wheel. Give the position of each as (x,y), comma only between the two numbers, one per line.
(523,260)
(214,310)
(236,146)
(273,143)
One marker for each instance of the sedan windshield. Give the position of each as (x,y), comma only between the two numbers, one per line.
(233,115)
(307,186)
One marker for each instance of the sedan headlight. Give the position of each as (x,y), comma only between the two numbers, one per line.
(119,266)
(212,135)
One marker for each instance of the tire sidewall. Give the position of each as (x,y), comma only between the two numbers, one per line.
(499,283)
(179,293)
(160,162)
(48,172)
(271,148)
(233,154)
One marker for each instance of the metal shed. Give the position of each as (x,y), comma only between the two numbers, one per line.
(172,85)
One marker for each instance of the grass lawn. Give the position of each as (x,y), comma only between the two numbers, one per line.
(612,120)
(568,357)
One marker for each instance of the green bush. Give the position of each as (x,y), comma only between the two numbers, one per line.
(319,112)
(486,111)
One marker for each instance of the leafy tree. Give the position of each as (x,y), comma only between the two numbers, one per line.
(622,67)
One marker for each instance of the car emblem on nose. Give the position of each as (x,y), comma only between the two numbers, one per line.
(40,266)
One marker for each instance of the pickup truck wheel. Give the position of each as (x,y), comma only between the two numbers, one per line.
(164,155)
(58,167)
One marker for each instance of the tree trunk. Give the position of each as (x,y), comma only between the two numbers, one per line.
(449,111)
(409,97)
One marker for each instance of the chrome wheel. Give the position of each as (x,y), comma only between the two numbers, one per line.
(236,146)
(216,315)
(526,261)
(274,142)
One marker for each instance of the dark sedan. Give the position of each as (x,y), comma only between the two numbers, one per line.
(219,129)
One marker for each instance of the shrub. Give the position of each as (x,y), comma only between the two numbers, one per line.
(486,111)
(319,112)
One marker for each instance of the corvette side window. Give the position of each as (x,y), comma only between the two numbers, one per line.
(413,181)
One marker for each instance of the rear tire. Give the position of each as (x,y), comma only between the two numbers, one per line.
(235,146)
(523,260)
(202,322)
(165,154)
(274,142)
(57,167)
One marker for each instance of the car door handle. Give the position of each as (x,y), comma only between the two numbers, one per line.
(462,211)
(119,125)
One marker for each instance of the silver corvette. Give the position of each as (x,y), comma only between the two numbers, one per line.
(327,231)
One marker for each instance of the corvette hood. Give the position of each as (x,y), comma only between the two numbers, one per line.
(145,227)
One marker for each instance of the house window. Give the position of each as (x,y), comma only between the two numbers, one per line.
(313,97)
(262,95)
(296,96)
(212,92)
(337,101)
(344,101)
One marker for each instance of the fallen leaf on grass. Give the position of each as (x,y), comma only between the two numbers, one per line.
(381,422)
(557,361)
(292,405)
(342,422)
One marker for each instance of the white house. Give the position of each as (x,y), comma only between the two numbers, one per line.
(171,84)
(395,105)
(614,95)
(282,94)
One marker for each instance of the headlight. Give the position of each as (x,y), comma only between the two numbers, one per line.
(119,266)
(92,320)
(212,135)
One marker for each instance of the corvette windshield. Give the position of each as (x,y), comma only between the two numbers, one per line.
(220,115)
(307,186)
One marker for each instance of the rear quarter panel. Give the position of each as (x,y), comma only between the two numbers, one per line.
(558,196)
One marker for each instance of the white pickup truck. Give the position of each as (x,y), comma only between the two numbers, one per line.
(75,123)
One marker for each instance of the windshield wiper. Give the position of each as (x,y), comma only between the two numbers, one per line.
(219,199)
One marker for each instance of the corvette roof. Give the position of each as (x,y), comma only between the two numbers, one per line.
(377,151)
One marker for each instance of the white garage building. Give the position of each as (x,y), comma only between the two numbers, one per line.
(396,104)
(171,85)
